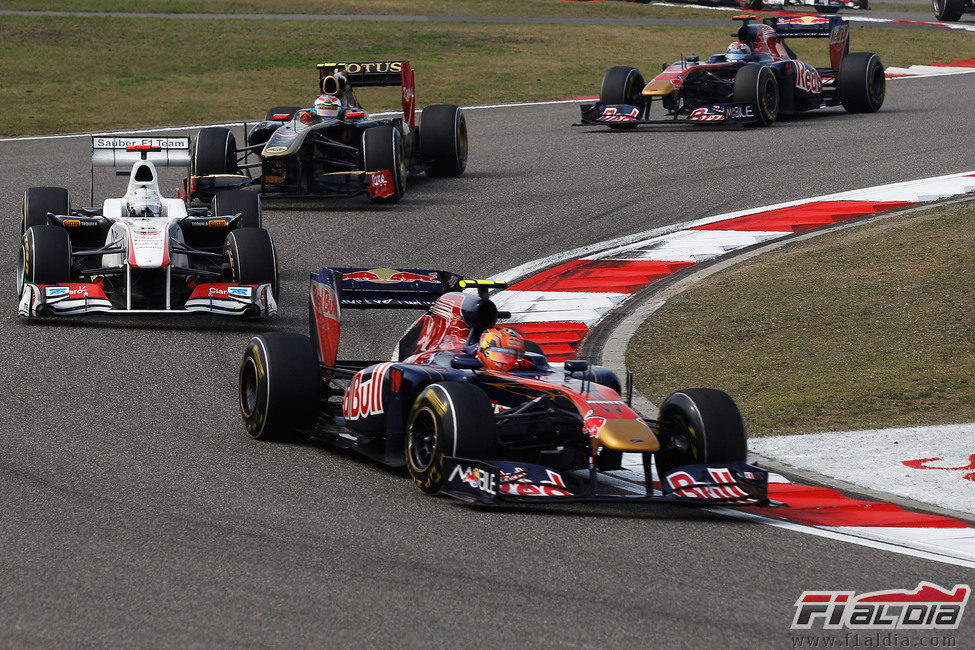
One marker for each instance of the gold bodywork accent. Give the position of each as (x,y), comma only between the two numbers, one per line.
(659,88)
(627,435)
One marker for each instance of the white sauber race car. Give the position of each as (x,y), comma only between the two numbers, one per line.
(143,253)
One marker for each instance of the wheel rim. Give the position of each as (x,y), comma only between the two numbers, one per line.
(423,439)
(462,142)
(875,84)
(399,163)
(769,98)
(677,446)
(629,88)
(21,270)
(248,387)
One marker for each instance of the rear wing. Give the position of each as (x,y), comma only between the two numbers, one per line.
(124,151)
(374,74)
(365,288)
(805,26)
(835,28)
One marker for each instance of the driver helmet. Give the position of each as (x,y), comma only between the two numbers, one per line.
(501,348)
(329,106)
(145,202)
(738,51)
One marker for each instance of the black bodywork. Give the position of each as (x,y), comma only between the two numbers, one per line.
(296,153)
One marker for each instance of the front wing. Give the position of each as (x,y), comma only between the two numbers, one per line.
(476,481)
(627,115)
(75,298)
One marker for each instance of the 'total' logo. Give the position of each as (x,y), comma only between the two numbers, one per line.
(929,607)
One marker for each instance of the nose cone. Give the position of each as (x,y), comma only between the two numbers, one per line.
(659,88)
(627,435)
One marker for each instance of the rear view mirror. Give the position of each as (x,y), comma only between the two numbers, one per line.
(466,363)
(576,365)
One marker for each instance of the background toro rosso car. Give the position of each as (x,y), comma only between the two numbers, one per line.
(952,10)
(822,6)
(541,433)
(143,253)
(770,82)
(300,154)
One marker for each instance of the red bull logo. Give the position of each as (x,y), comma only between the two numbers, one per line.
(808,79)
(365,395)
(804,20)
(384,276)
(519,483)
(593,424)
(324,300)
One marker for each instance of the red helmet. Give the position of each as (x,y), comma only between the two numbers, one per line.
(501,348)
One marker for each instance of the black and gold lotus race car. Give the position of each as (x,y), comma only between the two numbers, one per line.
(297,153)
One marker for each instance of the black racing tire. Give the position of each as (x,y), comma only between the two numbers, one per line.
(214,152)
(448,418)
(281,110)
(443,139)
(252,258)
(231,202)
(278,386)
(861,82)
(382,148)
(756,85)
(38,201)
(622,84)
(827,10)
(698,425)
(606,377)
(752,5)
(45,256)
(948,11)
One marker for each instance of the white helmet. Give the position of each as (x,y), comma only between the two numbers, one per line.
(328,106)
(145,202)
(738,51)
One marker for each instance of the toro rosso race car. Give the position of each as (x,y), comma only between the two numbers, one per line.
(755,81)
(822,6)
(533,432)
(143,253)
(335,152)
(951,10)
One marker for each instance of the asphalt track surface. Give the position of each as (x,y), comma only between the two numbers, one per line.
(135,510)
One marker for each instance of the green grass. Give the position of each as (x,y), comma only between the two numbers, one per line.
(74,74)
(523,8)
(867,327)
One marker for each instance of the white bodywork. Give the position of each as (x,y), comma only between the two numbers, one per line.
(145,241)
(145,232)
